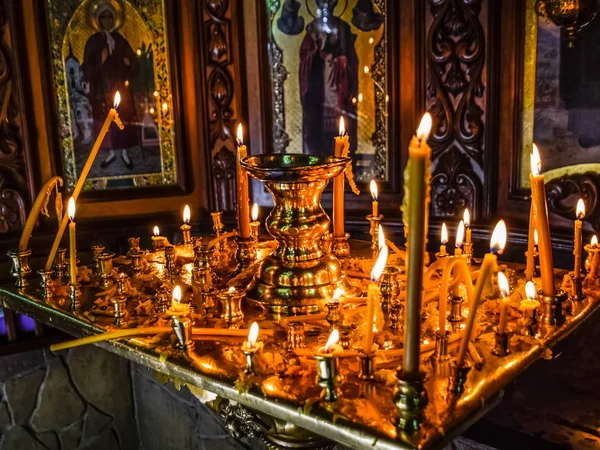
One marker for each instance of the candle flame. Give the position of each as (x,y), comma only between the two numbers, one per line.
(424,127)
(71,209)
(177,294)
(536,161)
(186,214)
(342,127)
(334,337)
(594,241)
(253,335)
(467,218)
(379,264)
(240,135)
(336,295)
(535,236)
(444,234)
(156,231)
(117,100)
(231,289)
(460,234)
(498,240)
(503,285)
(580,209)
(254,212)
(374,190)
(380,237)
(530,290)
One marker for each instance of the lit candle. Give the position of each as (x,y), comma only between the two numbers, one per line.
(158,241)
(417,199)
(580,213)
(375,196)
(594,263)
(467,222)
(255,224)
(531,244)
(381,238)
(373,298)
(530,303)
(251,344)
(186,228)
(113,116)
(242,187)
(540,210)
(460,235)
(488,267)
(72,243)
(444,240)
(176,305)
(332,343)
(504,293)
(341,142)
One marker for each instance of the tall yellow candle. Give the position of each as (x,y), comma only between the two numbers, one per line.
(540,210)
(373,298)
(504,293)
(341,142)
(375,196)
(467,221)
(488,267)
(531,243)
(415,212)
(113,116)
(242,187)
(580,213)
(460,233)
(72,243)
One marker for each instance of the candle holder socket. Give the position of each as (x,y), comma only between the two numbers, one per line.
(182,326)
(440,354)
(20,269)
(246,252)
(295,335)
(47,283)
(254,230)
(97,250)
(217,219)
(74,297)
(456,302)
(410,400)
(186,231)
(334,315)
(367,366)
(60,264)
(501,343)
(528,320)
(202,255)
(389,286)
(341,245)
(552,314)
(170,259)
(374,221)
(468,252)
(107,271)
(122,283)
(119,303)
(576,298)
(440,255)
(136,262)
(231,306)
(249,354)
(327,376)
(134,245)
(458,377)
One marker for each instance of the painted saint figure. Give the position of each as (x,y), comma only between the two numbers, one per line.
(109,64)
(328,80)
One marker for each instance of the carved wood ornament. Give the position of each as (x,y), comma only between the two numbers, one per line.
(455,52)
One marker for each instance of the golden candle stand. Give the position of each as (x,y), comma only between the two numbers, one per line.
(288,392)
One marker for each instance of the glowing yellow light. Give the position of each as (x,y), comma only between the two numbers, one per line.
(254,212)
(371,40)
(151,110)
(253,335)
(467,218)
(360,97)
(240,135)
(156,231)
(231,289)
(177,294)
(139,52)
(342,126)
(336,295)
(165,107)
(460,234)
(379,264)
(503,285)
(530,290)
(444,234)
(580,209)
(424,127)
(374,190)
(186,214)
(71,209)
(498,241)
(366,69)
(117,100)
(536,161)
(156,93)
(535,237)
(334,337)
(594,241)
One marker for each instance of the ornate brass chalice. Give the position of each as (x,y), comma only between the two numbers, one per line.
(301,275)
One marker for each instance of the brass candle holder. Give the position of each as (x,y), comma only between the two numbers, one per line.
(374,222)
(528,321)
(246,252)
(456,302)
(327,373)
(182,324)
(389,286)
(410,400)
(119,303)
(334,315)
(295,335)
(468,252)
(254,230)
(74,297)
(249,352)
(367,366)
(552,314)
(341,245)
(46,283)
(440,355)
(219,228)
(576,298)
(20,269)
(170,260)
(97,250)
(231,305)
(60,264)
(136,262)
(501,343)
(122,283)
(107,271)
(186,231)
(458,377)
(203,288)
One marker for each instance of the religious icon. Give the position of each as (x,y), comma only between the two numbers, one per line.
(109,46)
(333,55)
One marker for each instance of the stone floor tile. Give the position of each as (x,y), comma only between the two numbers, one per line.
(21,394)
(19,363)
(20,438)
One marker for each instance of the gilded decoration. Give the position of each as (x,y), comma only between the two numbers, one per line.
(137,51)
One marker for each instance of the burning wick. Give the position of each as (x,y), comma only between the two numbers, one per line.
(498,240)
(252,336)
(254,212)
(186,214)
(334,337)
(156,231)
